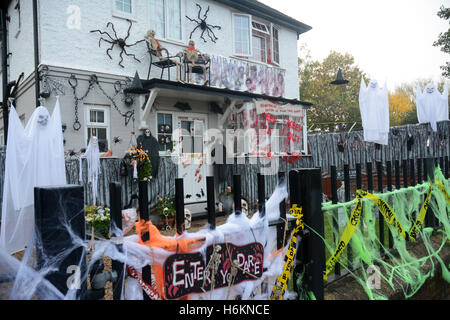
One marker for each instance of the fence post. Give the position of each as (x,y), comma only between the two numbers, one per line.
(115,204)
(59,215)
(179,206)
(306,187)
(334,200)
(411,172)
(405,173)
(261,195)
(237,194)
(145,215)
(369,177)
(397,174)
(380,216)
(429,165)
(419,171)
(347,199)
(389,187)
(280,227)
(211,203)
(446,167)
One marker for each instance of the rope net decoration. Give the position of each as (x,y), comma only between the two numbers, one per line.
(399,268)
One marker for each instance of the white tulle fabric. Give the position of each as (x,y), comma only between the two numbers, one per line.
(34,158)
(374,108)
(92,156)
(432,106)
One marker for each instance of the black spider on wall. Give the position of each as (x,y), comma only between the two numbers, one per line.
(204,26)
(121,42)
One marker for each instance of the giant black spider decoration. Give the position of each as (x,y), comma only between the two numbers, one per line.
(121,42)
(205,27)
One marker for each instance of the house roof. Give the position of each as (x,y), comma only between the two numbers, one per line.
(261,10)
(216,92)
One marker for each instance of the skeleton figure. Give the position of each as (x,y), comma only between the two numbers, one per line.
(213,267)
(233,273)
(192,56)
(187,219)
(154,45)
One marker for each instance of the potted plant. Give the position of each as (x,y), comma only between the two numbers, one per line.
(99,219)
(137,157)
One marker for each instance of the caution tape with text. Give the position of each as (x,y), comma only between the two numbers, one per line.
(281,285)
(387,213)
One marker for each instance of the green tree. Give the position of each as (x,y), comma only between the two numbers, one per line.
(444,40)
(335,108)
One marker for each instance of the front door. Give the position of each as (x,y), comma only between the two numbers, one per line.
(192,168)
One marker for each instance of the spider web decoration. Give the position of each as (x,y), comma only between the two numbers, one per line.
(120,42)
(204,26)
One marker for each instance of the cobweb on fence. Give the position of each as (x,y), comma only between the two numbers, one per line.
(400,268)
(26,277)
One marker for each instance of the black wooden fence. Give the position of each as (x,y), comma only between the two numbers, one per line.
(406,143)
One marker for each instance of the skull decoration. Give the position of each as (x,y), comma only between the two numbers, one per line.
(43,120)
(187,219)
(244,206)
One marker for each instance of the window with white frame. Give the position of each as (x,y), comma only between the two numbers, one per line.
(165,130)
(275,45)
(242,41)
(19,17)
(256,40)
(165,19)
(123,8)
(98,125)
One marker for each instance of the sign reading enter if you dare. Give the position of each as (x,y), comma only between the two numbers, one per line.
(187,273)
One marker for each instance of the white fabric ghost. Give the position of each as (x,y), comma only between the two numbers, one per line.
(34,158)
(374,107)
(92,156)
(432,106)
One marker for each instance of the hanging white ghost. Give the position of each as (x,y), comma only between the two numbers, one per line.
(374,107)
(34,158)
(432,106)
(92,156)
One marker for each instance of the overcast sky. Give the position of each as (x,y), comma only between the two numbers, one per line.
(391,40)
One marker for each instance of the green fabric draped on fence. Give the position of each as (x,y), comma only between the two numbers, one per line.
(399,268)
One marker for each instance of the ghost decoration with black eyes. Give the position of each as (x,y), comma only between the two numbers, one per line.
(432,106)
(374,107)
(34,158)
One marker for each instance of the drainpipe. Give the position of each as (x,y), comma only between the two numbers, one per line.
(4,54)
(36,51)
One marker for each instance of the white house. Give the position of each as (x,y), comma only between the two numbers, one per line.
(253,58)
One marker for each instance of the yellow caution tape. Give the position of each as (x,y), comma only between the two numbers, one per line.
(442,189)
(387,213)
(385,210)
(345,238)
(423,211)
(281,285)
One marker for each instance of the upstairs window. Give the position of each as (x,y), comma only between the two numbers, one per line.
(165,19)
(242,41)
(124,6)
(275,45)
(255,40)
(124,9)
